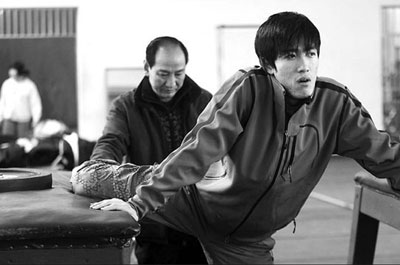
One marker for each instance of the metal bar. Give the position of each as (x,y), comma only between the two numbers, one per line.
(50,22)
(29,22)
(43,24)
(64,22)
(35,20)
(57,22)
(2,26)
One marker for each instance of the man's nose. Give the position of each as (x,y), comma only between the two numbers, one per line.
(304,64)
(171,80)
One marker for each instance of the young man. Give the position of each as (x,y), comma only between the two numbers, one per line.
(275,127)
(148,123)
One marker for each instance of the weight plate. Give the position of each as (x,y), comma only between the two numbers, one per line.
(17,179)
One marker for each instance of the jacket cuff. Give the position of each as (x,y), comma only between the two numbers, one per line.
(133,205)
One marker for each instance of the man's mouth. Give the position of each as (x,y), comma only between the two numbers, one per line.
(304,80)
(169,90)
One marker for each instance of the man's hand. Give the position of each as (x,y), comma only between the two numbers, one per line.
(115,205)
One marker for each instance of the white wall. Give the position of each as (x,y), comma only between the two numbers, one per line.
(115,34)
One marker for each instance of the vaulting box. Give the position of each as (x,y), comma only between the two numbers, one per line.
(53,225)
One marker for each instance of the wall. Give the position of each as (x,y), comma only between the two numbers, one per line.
(115,34)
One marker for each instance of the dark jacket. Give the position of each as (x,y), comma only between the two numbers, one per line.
(134,129)
(271,168)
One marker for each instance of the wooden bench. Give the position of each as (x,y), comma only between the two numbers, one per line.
(53,226)
(375,201)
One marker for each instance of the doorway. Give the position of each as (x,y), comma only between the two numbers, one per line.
(391,69)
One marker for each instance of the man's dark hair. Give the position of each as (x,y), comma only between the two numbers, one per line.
(20,68)
(155,44)
(283,31)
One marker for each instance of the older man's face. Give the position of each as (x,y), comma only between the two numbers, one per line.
(168,73)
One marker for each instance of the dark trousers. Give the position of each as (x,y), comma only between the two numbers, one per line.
(18,129)
(154,253)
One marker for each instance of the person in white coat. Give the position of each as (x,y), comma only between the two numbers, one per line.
(20,103)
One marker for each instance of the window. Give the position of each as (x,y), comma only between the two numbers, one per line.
(391,69)
(121,80)
(37,22)
(235,49)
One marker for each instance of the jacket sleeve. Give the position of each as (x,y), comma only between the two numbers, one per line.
(35,104)
(115,139)
(217,129)
(373,149)
(2,101)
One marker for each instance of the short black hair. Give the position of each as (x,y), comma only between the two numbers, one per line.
(283,31)
(20,68)
(155,44)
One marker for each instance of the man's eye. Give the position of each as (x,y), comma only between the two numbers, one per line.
(163,75)
(312,53)
(290,55)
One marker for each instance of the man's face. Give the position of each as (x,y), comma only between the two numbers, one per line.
(168,73)
(297,71)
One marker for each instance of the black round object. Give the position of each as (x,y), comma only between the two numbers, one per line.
(16,179)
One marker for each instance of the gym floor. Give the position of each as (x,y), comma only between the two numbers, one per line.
(323,226)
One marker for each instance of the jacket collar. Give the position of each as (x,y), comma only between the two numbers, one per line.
(298,118)
(188,93)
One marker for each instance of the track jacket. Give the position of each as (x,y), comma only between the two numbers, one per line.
(271,167)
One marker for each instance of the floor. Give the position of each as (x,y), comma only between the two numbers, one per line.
(323,227)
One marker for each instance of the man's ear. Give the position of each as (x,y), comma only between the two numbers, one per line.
(270,70)
(146,67)
(266,66)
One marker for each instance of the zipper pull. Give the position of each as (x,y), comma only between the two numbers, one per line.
(286,140)
(294,228)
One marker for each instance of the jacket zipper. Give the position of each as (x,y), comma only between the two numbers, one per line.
(292,152)
(283,148)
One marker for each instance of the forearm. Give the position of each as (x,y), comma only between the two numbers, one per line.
(374,150)
(109,147)
(108,179)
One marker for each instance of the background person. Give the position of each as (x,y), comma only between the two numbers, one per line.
(20,103)
(145,125)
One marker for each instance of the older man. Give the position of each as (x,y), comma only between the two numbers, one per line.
(145,125)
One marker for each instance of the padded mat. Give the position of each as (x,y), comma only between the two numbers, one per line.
(59,213)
